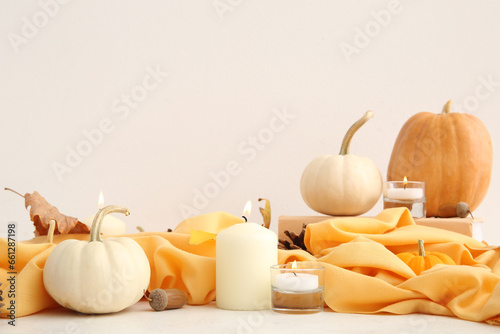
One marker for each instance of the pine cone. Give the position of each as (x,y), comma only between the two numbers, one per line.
(297,241)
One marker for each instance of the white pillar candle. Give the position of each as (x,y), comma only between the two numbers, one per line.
(244,254)
(110,225)
(296,282)
(405,194)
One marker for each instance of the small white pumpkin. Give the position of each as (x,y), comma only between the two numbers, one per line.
(344,184)
(99,276)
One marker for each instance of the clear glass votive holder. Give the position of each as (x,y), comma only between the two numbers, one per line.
(297,288)
(409,194)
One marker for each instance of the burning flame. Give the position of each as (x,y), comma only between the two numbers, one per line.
(294,265)
(247,209)
(405,181)
(101,201)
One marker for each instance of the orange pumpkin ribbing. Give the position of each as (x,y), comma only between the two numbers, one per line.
(420,261)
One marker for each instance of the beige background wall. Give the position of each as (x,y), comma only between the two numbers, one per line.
(149,101)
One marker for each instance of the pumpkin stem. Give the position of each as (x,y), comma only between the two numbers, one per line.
(447,108)
(50,232)
(344,149)
(95,230)
(421,250)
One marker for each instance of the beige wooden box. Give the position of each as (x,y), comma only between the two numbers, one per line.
(467,226)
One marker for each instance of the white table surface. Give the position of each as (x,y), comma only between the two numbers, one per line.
(140,318)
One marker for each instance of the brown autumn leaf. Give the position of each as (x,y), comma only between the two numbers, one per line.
(41,213)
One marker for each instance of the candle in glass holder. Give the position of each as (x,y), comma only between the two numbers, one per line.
(409,194)
(297,288)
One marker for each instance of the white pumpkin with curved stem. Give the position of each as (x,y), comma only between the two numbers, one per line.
(99,276)
(344,184)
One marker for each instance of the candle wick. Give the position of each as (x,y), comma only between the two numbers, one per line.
(294,273)
(245,219)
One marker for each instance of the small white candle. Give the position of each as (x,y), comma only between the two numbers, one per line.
(244,254)
(110,225)
(404,190)
(405,194)
(296,282)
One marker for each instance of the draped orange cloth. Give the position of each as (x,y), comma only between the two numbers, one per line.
(363,274)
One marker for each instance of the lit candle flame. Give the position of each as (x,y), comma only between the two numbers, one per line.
(294,265)
(405,181)
(247,209)
(101,201)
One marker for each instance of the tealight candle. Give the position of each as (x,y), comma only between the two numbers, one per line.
(296,282)
(297,288)
(110,224)
(244,253)
(410,194)
(405,193)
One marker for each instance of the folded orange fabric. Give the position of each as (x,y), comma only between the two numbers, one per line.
(363,274)
(174,263)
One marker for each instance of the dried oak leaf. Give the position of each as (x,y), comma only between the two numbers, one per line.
(41,213)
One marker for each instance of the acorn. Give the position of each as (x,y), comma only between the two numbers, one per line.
(461,210)
(166,299)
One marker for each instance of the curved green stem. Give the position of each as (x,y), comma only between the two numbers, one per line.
(95,230)
(344,149)
(421,250)
(447,108)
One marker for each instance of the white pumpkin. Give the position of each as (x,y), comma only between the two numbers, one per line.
(99,276)
(344,184)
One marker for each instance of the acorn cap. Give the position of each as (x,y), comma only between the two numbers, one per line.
(160,299)
(463,210)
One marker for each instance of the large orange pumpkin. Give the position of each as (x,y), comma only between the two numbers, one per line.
(450,152)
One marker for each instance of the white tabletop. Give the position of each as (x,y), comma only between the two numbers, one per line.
(140,318)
